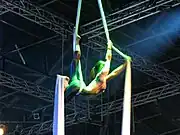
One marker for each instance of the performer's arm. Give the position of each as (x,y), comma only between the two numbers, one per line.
(118,70)
(97,84)
(108,57)
(109,51)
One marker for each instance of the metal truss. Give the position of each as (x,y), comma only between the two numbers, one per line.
(26,108)
(29,88)
(37,15)
(171,132)
(19,122)
(141,64)
(112,107)
(46,19)
(154,70)
(35,90)
(131,14)
(44,127)
(61,26)
(140,99)
(3,10)
(39,129)
(23,8)
(12,104)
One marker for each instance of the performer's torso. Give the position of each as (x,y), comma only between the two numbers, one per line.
(97,85)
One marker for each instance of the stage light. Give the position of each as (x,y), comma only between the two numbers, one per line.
(1,131)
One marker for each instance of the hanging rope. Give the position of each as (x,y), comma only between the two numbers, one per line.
(126,123)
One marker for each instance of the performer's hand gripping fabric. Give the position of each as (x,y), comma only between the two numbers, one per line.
(119,69)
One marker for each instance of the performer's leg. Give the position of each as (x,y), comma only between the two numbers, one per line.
(76,63)
(72,90)
(74,86)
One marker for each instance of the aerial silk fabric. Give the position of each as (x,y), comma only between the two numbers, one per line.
(58,118)
(126,122)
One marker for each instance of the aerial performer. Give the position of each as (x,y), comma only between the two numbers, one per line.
(100,74)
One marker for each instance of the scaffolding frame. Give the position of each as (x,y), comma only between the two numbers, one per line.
(135,12)
(64,28)
(32,89)
(112,107)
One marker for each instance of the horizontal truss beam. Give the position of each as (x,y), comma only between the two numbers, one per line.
(26,108)
(29,88)
(135,12)
(141,64)
(142,98)
(34,90)
(19,122)
(20,7)
(39,16)
(93,44)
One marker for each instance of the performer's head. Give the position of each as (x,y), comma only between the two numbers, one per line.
(97,68)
